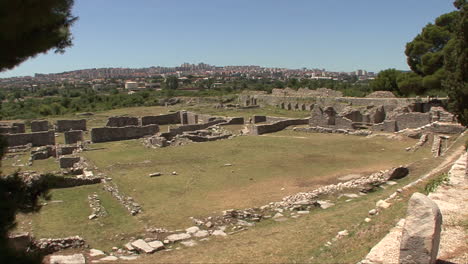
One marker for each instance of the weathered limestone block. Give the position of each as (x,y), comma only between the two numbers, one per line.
(73,136)
(39,125)
(389,126)
(421,233)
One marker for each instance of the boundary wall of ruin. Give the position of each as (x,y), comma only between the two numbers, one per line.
(122,121)
(39,125)
(186,128)
(173,118)
(35,138)
(12,128)
(66,125)
(277,126)
(105,134)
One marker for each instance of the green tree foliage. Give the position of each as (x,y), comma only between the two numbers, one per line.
(386,80)
(30,27)
(172,83)
(409,83)
(426,54)
(456,65)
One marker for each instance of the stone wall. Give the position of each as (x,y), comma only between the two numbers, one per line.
(173,118)
(258,119)
(180,129)
(73,136)
(68,162)
(328,117)
(104,134)
(39,125)
(122,121)
(66,125)
(13,128)
(274,127)
(412,120)
(202,118)
(234,121)
(67,150)
(35,138)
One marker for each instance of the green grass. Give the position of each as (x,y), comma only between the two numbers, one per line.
(70,218)
(262,166)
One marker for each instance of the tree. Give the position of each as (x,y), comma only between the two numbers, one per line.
(439,55)
(456,65)
(172,83)
(30,27)
(409,83)
(386,80)
(426,54)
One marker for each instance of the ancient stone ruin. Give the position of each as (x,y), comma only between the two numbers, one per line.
(12,128)
(122,121)
(35,139)
(39,125)
(105,134)
(67,125)
(73,136)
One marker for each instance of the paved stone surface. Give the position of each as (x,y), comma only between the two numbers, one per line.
(67,259)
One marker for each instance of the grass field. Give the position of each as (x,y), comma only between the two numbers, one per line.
(264,169)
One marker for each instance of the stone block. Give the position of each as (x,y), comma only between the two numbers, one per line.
(421,233)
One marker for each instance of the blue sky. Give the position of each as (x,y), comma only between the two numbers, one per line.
(338,35)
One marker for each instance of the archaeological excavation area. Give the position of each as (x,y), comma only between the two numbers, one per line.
(281,177)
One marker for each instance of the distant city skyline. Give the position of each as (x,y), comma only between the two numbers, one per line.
(340,36)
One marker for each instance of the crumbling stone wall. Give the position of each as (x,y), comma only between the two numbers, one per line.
(258,119)
(274,127)
(328,117)
(202,118)
(35,138)
(67,149)
(39,125)
(181,129)
(173,118)
(73,136)
(67,125)
(122,121)
(234,121)
(104,134)
(68,162)
(412,120)
(13,128)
